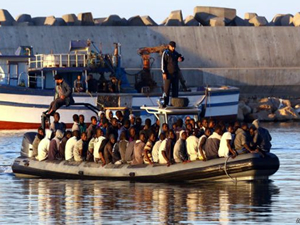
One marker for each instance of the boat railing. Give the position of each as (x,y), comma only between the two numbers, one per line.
(58,60)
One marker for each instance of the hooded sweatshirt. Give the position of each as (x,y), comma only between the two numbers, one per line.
(43,147)
(180,152)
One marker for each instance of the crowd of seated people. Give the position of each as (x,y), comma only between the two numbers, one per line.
(118,140)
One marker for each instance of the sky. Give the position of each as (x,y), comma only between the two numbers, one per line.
(157,9)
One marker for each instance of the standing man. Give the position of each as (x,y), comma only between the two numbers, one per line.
(170,70)
(63,95)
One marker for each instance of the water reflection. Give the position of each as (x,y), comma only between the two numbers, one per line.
(103,202)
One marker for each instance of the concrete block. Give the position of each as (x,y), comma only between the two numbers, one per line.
(239,22)
(5,18)
(217,22)
(24,18)
(202,13)
(99,21)
(276,21)
(296,20)
(50,21)
(164,21)
(249,16)
(287,20)
(258,21)
(85,19)
(175,19)
(70,19)
(148,21)
(23,24)
(38,21)
(190,21)
(135,21)
(114,20)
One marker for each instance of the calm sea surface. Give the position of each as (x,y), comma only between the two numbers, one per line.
(37,201)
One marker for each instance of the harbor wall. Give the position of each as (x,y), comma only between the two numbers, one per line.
(260,60)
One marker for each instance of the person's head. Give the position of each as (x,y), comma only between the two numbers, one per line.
(171,134)
(172,45)
(174,126)
(81,118)
(126,124)
(132,132)
(192,122)
(218,130)
(78,77)
(230,129)
(76,118)
(123,135)
(183,135)
(162,136)
(207,132)
(148,123)
(132,119)
(152,137)
(83,136)
(244,126)
(179,123)
(41,133)
(252,130)
(102,115)
(68,134)
(119,114)
(99,132)
(255,123)
(76,134)
(142,137)
(90,76)
(114,122)
(189,127)
(58,79)
(56,117)
(199,124)
(187,120)
(112,138)
(139,121)
(94,120)
(211,124)
(204,122)
(165,127)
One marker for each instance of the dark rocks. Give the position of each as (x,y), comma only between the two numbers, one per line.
(135,21)
(175,19)
(190,21)
(5,18)
(148,21)
(85,19)
(114,20)
(70,19)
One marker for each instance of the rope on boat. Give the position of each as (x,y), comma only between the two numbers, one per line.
(234,180)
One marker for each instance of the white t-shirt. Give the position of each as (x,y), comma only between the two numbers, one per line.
(155,150)
(69,151)
(43,147)
(162,147)
(75,126)
(192,147)
(223,149)
(97,144)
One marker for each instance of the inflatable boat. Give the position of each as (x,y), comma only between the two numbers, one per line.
(243,167)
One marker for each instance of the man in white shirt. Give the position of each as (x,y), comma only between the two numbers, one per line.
(76,122)
(155,150)
(225,143)
(97,143)
(69,151)
(43,148)
(78,148)
(192,147)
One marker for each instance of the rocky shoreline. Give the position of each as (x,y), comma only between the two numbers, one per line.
(269,109)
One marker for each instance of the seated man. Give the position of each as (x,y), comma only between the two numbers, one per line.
(109,156)
(78,84)
(35,144)
(192,146)
(225,143)
(63,95)
(91,130)
(129,154)
(62,146)
(138,150)
(262,137)
(78,148)
(123,144)
(180,152)
(147,156)
(212,143)
(241,143)
(56,125)
(54,145)
(96,145)
(69,151)
(76,122)
(43,148)
(201,144)
(155,150)
(166,149)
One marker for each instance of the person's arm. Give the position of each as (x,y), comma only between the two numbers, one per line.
(228,141)
(201,148)
(102,159)
(164,154)
(147,149)
(180,58)
(67,89)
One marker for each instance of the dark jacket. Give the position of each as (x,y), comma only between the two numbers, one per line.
(66,91)
(170,62)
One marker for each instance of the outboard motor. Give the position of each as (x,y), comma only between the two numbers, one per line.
(27,149)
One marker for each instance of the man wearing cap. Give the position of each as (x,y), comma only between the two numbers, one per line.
(63,95)
(170,70)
